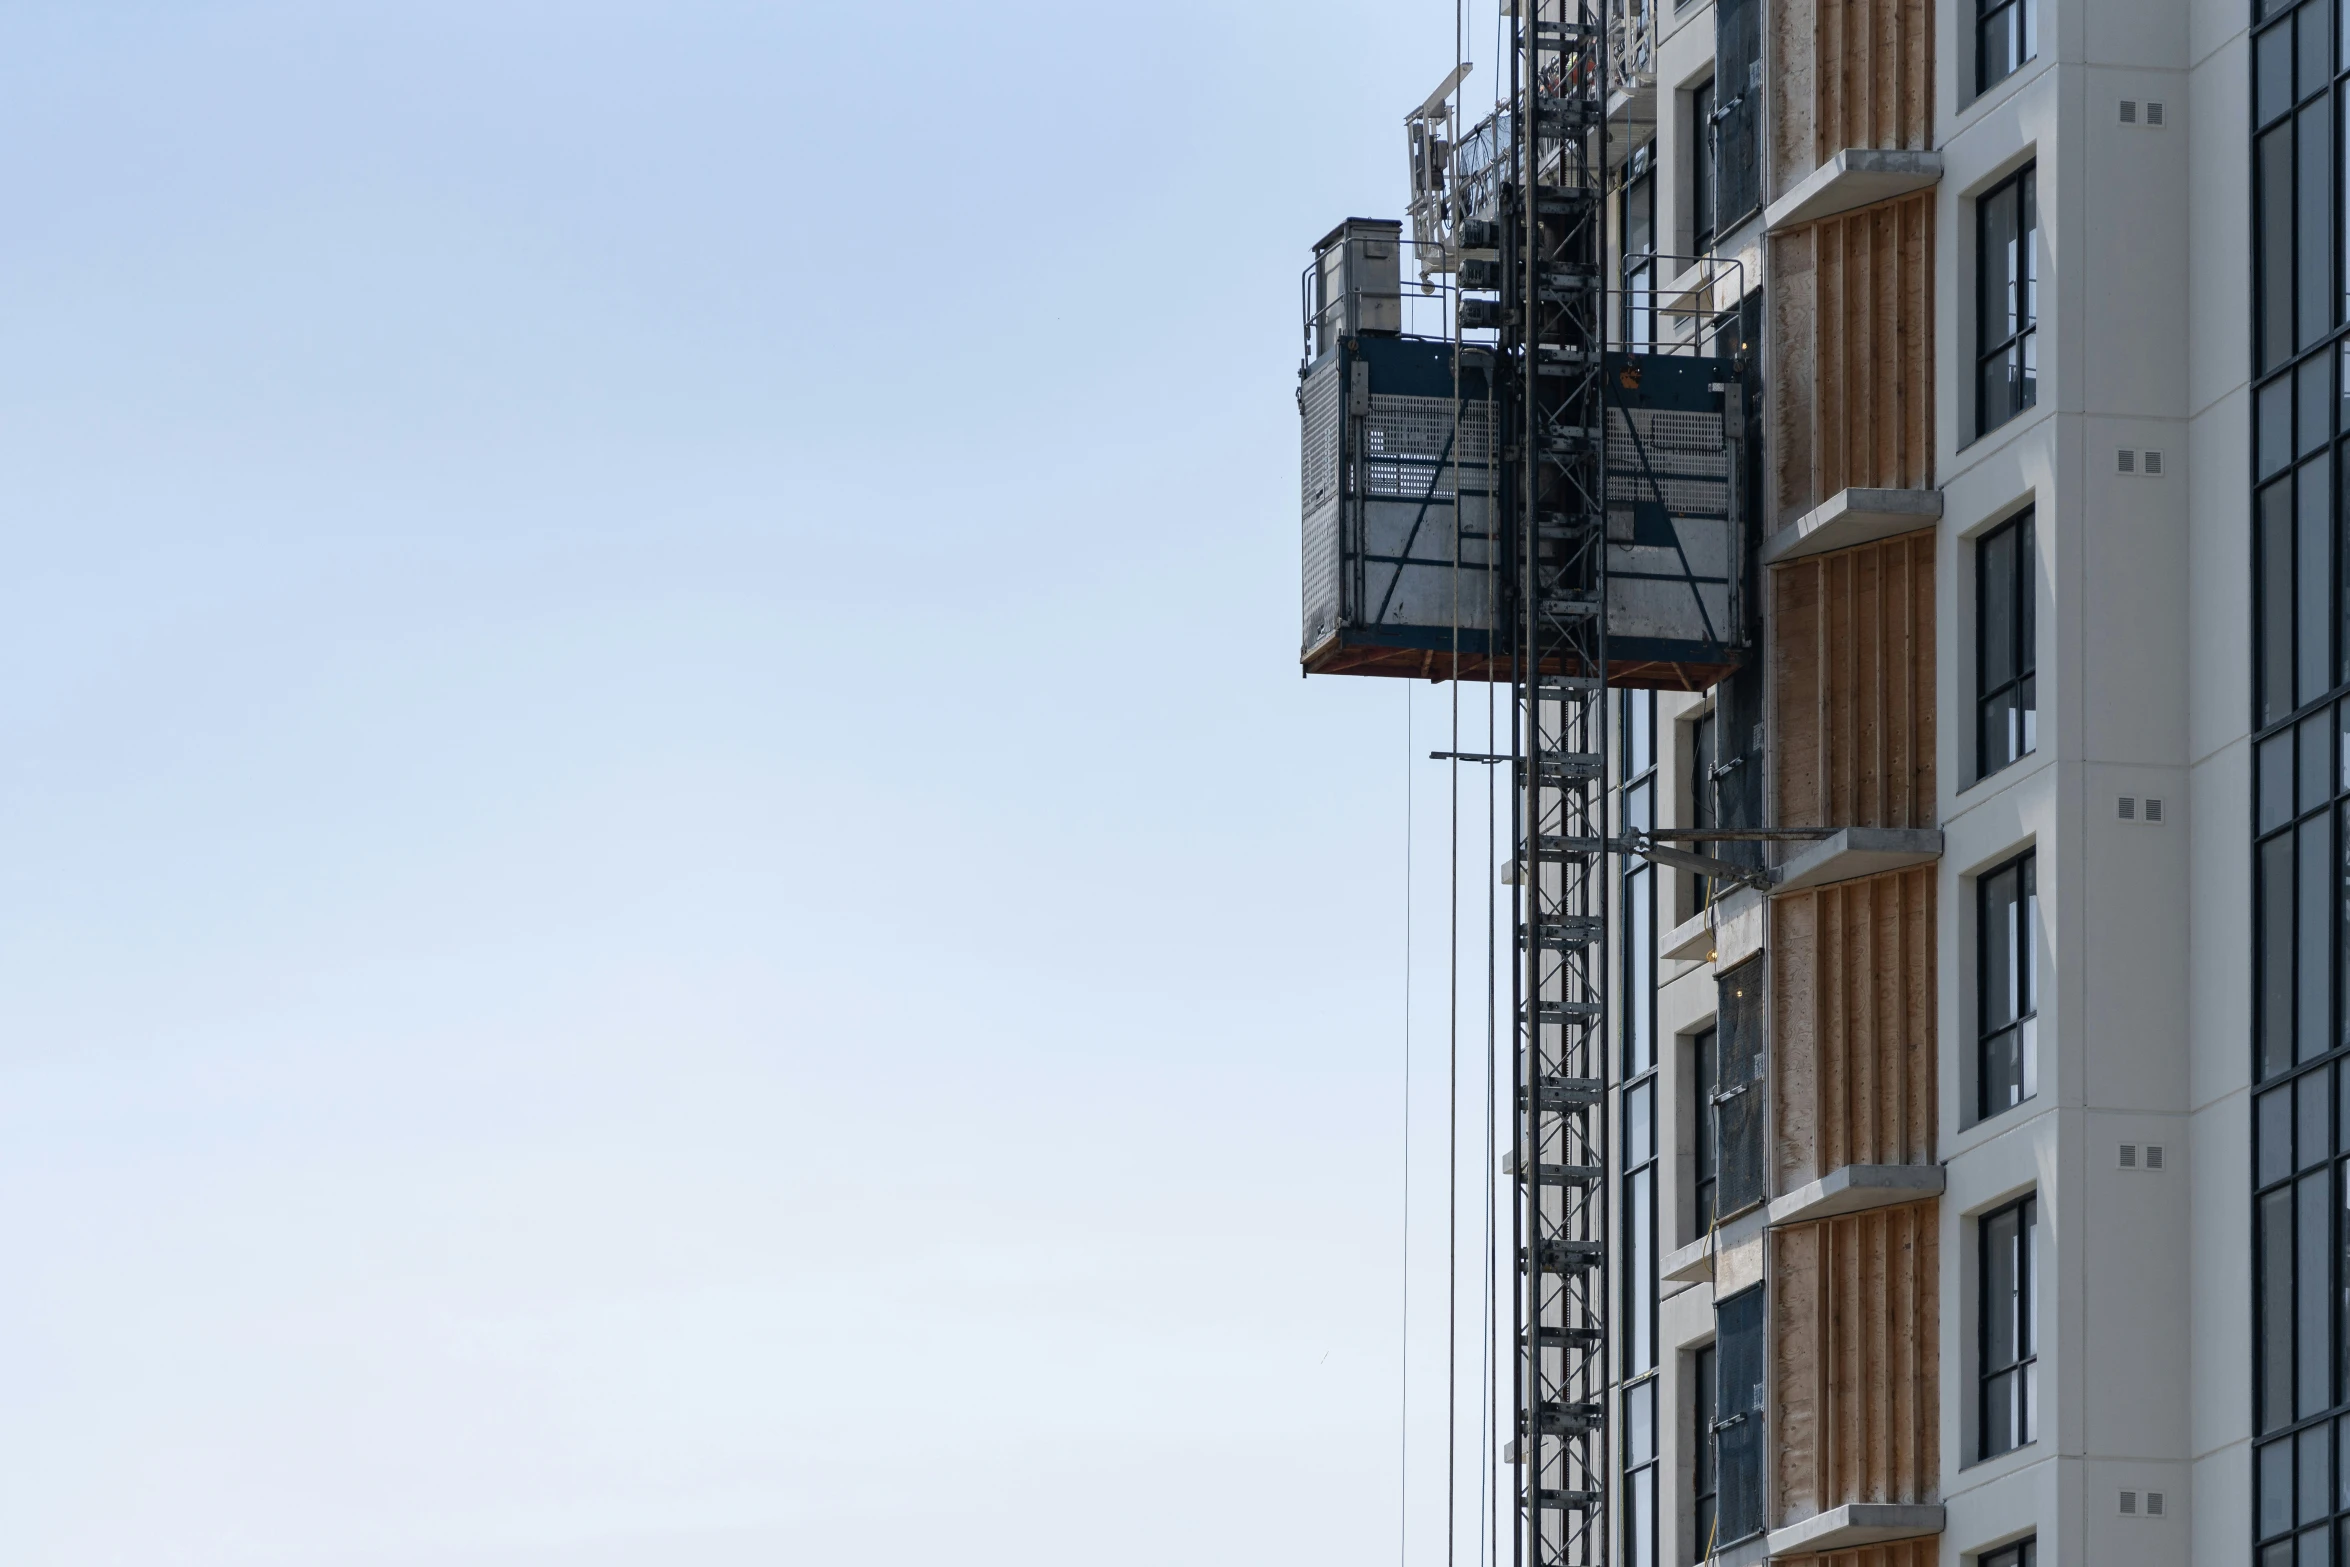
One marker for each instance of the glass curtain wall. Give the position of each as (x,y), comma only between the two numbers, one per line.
(2301,764)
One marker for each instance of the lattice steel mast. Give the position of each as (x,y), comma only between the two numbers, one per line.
(1554,298)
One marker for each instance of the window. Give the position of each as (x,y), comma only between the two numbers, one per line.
(2007,993)
(1703,790)
(1705,1163)
(1738,88)
(1738,1429)
(1639,1338)
(2010,1371)
(2007,232)
(1702,1482)
(1738,1104)
(2300,1216)
(2007,33)
(1638,216)
(1640,1474)
(2006,598)
(1701,169)
(2024,1553)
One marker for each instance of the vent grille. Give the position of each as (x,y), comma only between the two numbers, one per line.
(2154,1157)
(2153,464)
(2143,1504)
(2153,113)
(2153,810)
(2126,462)
(2129,111)
(2128,810)
(2129,1156)
(2140,1156)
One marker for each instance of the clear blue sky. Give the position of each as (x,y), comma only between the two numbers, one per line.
(668,893)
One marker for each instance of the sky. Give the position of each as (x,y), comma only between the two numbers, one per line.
(667,894)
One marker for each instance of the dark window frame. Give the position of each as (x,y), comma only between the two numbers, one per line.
(1989,13)
(1639,251)
(1704,179)
(2016,350)
(2023,1024)
(2021,1369)
(1705,1161)
(2019,690)
(2018,1553)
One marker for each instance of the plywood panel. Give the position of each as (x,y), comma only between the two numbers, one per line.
(1849,73)
(1852,1025)
(1855,1329)
(1852,650)
(1852,348)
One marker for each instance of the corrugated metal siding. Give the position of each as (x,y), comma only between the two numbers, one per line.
(1855,1361)
(1852,328)
(1851,73)
(1852,1013)
(1852,649)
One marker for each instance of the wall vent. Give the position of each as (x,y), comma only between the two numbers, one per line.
(2139,1156)
(2128,809)
(2154,1504)
(2153,113)
(2129,111)
(2129,1156)
(2153,464)
(2142,1504)
(2127,462)
(2154,1162)
(2153,810)
(2132,461)
(2129,1504)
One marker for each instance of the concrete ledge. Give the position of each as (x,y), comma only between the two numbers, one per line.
(1738,928)
(1691,941)
(1694,1263)
(1854,1525)
(1856,1188)
(1852,517)
(1855,177)
(1855,852)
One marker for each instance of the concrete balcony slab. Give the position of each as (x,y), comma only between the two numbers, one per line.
(1856,1188)
(1855,177)
(1852,517)
(1854,852)
(1854,1525)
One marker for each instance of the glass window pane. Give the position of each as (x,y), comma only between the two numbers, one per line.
(2273,1126)
(2276,780)
(2314,564)
(2001,1287)
(2317,1474)
(2316,1549)
(2315,395)
(2313,1294)
(2313,1118)
(2317,761)
(2275,1327)
(2315,47)
(2274,67)
(2316,222)
(2275,179)
(2276,954)
(1997,321)
(2275,1477)
(2275,403)
(2276,595)
(2315,939)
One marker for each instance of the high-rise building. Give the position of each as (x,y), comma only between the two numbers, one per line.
(1995,1215)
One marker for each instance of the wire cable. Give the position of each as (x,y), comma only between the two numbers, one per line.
(1403,1522)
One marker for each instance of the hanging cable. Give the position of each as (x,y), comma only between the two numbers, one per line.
(1403,1521)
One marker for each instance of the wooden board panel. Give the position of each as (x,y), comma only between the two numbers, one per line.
(1849,73)
(1852,350)
(1852,650)
(1852,1025)
(1854,1336)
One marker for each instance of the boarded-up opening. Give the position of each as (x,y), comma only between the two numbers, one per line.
(1855,1323)
(1852,1008)
(1852,645)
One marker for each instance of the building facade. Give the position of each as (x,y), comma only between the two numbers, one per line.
(1981,1186)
